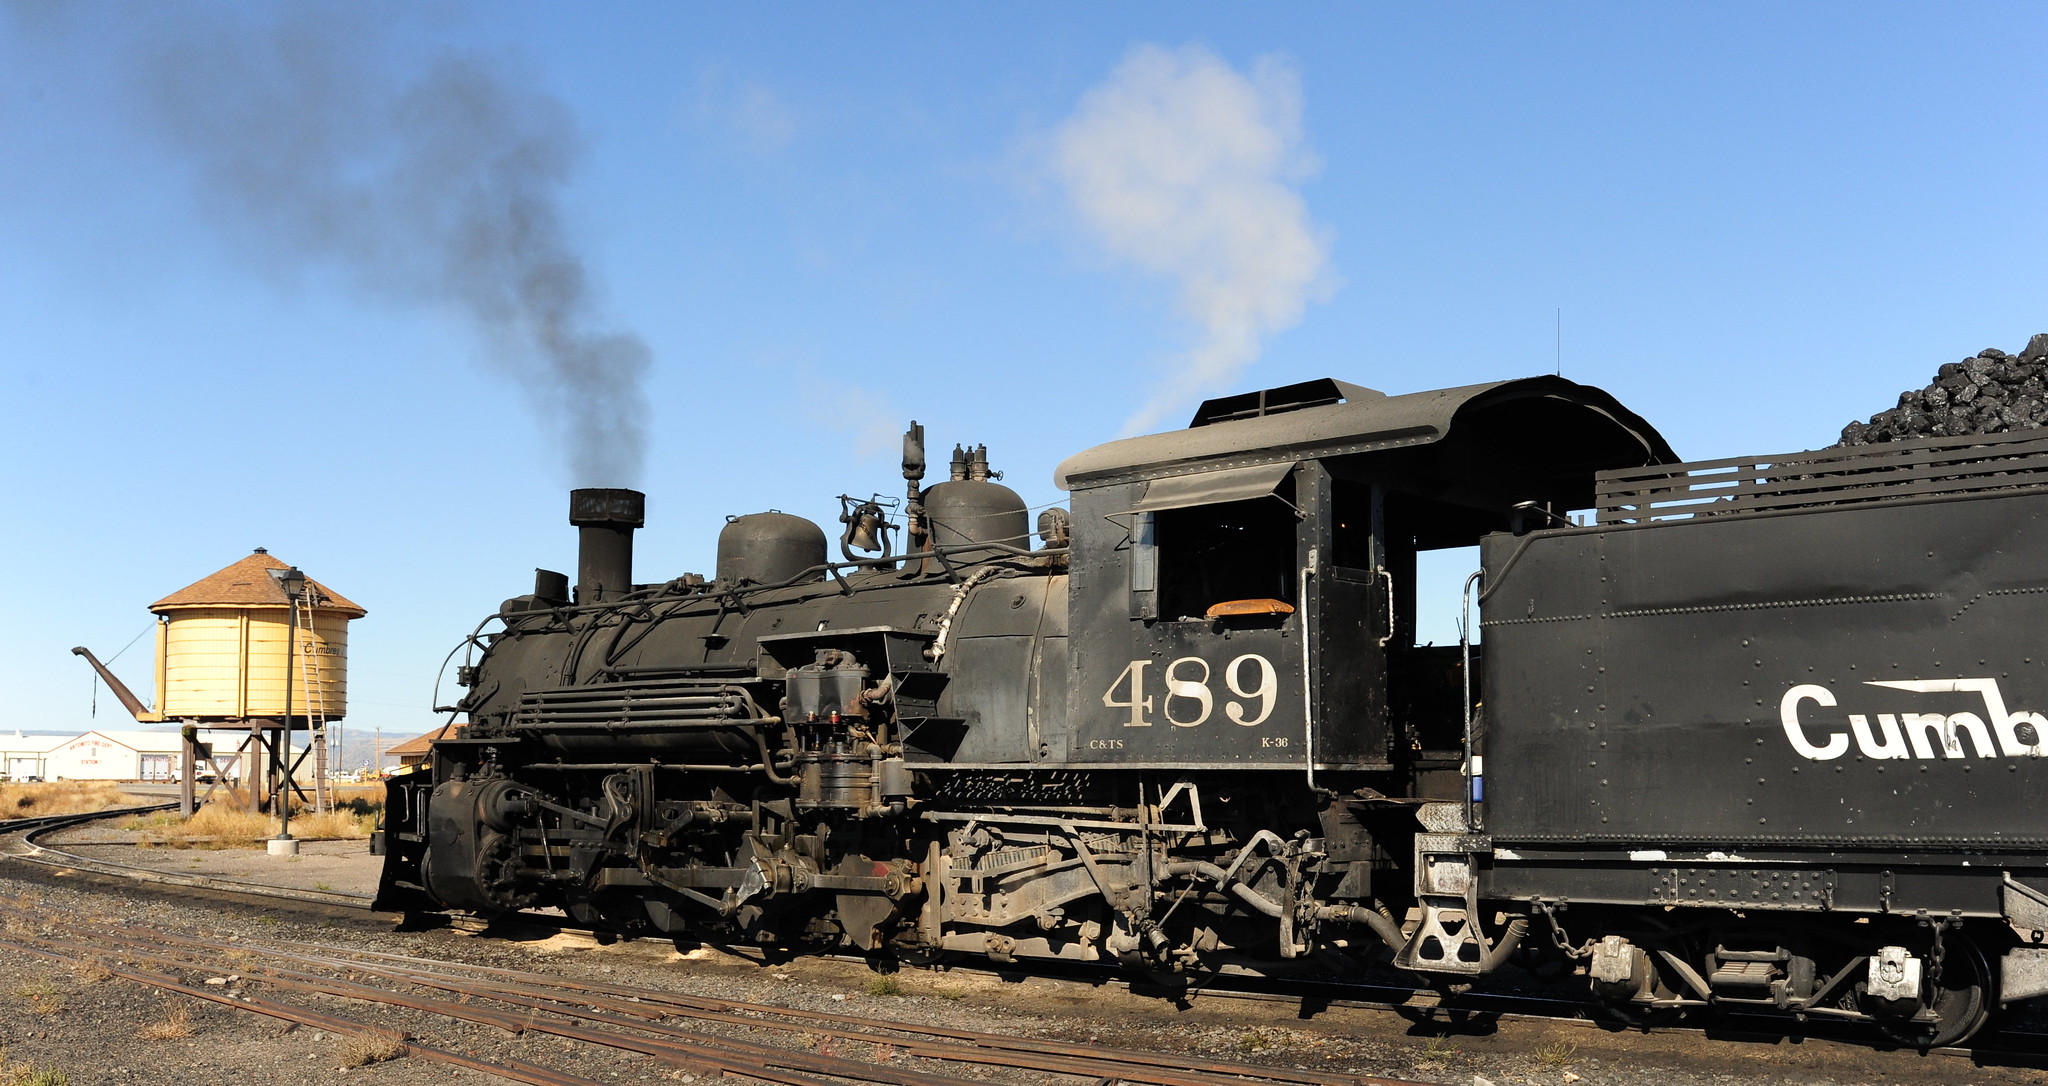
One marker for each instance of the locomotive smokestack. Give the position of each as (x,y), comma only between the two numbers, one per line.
(605,519)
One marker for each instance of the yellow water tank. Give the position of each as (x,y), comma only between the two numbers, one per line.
(222,647)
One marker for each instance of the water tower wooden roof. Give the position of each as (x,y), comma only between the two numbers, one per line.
(248,583)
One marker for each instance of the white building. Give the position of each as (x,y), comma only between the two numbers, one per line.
(144,756)
(23,756)
(115,756)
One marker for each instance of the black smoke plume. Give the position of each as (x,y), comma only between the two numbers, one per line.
(321,137)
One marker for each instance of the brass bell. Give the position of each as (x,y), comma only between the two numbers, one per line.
(867,525)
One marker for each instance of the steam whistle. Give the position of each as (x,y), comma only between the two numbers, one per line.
(913,456)
(919,533)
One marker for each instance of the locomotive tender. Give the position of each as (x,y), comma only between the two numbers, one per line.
(1764,733)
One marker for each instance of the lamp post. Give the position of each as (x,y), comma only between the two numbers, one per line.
(293,582)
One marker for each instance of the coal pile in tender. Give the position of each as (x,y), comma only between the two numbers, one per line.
(1990,393)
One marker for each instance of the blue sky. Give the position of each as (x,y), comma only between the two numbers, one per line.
(1760,221)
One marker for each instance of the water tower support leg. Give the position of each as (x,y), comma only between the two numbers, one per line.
(259,769)
(188,775)
(320,798)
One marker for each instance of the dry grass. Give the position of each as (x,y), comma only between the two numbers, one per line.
(61,797)
(364,1049)
(1259,1040)
(224,824)
(40,996)
(28,1074)
(175,1025)
(360,796)
(339,824)
(1437,1052)
(152,820)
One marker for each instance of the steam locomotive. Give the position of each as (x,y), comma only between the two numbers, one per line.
(1758,733)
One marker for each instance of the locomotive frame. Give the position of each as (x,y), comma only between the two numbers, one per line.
(1193,730)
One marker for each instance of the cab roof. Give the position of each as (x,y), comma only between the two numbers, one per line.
(1583,428)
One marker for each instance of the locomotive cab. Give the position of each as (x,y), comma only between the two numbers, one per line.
(1245,589)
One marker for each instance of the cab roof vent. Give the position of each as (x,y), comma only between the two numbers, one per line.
(1321,392)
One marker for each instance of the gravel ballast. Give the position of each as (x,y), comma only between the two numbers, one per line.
(96,1029)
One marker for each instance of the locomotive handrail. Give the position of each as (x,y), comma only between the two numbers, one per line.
(1308,671)
(660,593)
(1054,820)
(1472,776)
(735,595)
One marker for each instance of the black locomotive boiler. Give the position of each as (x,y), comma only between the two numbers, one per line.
(1758,733)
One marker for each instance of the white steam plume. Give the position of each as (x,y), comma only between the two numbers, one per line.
(1186,168)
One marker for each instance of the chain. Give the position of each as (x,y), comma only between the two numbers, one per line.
(1557,935)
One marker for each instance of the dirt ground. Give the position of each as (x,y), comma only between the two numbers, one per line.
(96,1029)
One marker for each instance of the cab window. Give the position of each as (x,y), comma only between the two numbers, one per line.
(1231,551)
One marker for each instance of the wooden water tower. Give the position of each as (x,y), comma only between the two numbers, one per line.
(254,645)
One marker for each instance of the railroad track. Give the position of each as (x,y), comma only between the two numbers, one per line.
(19,839)
(700,1035)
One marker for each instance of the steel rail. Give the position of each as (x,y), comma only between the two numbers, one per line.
(39,823)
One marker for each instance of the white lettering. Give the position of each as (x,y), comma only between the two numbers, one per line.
(1195,690)
(2014,742)
(1268,683)
(1925,735)
(1138,703)
(1980,737)
(1788,714)
(1920,727)
(1894,745)
(1187,680)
